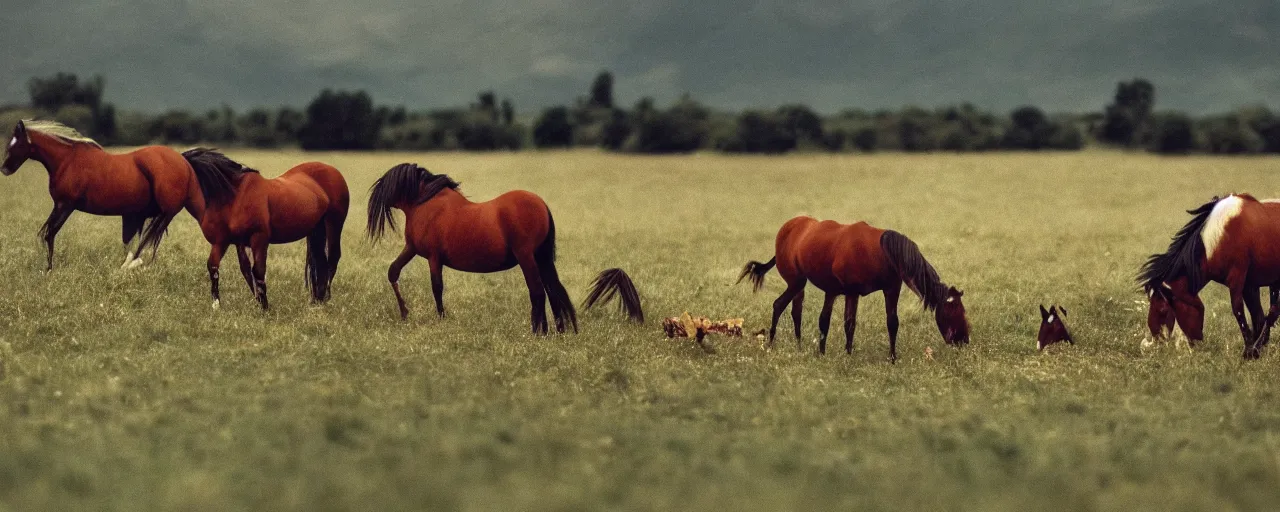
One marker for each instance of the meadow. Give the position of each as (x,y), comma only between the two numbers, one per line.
(124,390)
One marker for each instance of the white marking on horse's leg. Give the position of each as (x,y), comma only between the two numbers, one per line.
(1180,338)
(127,258)
(1216,225)
(134,264)
(216,303)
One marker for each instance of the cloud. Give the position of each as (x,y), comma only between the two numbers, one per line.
(832,54)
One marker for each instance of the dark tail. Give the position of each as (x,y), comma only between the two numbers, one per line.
(545,256)
(757,271)
(317,265)
(616,282)
(153,233)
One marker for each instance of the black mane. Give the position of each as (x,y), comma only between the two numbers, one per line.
(404,183)
(916,272)
(216,173)
(1184,256)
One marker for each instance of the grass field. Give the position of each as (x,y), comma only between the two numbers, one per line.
(125,390)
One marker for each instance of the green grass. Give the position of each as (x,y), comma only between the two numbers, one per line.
(125,390)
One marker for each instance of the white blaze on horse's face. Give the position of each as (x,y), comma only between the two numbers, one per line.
(1051,317)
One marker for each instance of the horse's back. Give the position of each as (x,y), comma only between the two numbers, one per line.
(1258,230)
(524,217)
(833,256)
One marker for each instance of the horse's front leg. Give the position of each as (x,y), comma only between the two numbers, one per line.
(891,319)
(57,217)
(246,268)
(215,259)
(259,244)
(393,275)
(824,321)
(1235,282)
(437,284)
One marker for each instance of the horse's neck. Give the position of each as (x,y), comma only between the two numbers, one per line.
(53,153)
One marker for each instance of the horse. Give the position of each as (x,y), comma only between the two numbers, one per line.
(1232,240)
(449,230)
(149,184)
(1052,327)
(855,260)
(245,209)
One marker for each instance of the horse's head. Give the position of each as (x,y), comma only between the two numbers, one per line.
(1052,329)
(1160,317)
(17,150)
(1174,301)
(952,322)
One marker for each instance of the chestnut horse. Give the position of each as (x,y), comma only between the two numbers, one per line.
(244,209)
(152,183)
(856,260)
(449,230)
(1235,241)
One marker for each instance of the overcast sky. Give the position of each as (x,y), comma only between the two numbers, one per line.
(1202,55)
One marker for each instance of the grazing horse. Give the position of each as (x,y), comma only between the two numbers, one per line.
(856,260)
(246,210)
(152,183)
(449,230)
(1052,328)
(1233,240)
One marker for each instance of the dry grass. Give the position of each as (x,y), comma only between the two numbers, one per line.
(123,390)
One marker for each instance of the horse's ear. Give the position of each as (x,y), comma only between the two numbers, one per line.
(21,129)
(1063,309)
(1044,313)
(955,292)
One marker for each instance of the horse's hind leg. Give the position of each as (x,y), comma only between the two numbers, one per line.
(131,226)
(537,295)
(52,225)
(333,226)
(824,321)
(891,318)
(215,260)
(797,311)
(393,275)
(780,305)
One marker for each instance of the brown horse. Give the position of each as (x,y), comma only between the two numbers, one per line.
(449,230)
(1235,241)
(244,209)
(1052,327)
(856,260)
(152,183)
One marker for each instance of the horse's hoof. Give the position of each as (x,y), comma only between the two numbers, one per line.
(216,303)
(133,264)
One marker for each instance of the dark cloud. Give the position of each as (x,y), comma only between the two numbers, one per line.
(1202,55)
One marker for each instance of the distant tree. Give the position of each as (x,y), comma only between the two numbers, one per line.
(488,103)
(340,120)
(54,93)
(802,123)
(1126,120)
(760,132)
(1174,133)
(864,139)
(178,127)
(914,130)
(616,130)
(553,129)
(508,111)
(289,123)
(602,90)
(1030,129)
(1229,134)
(255,129)
(681,129)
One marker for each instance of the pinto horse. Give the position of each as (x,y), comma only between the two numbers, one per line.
(1233,240)
(151,183)
(855,260)
(246,210)
(449,230)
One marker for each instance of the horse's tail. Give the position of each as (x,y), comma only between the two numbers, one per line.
(616,282)
(545,256)
(317,265)
(757,271)
(153,233)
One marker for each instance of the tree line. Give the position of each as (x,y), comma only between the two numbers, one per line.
(351,120)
